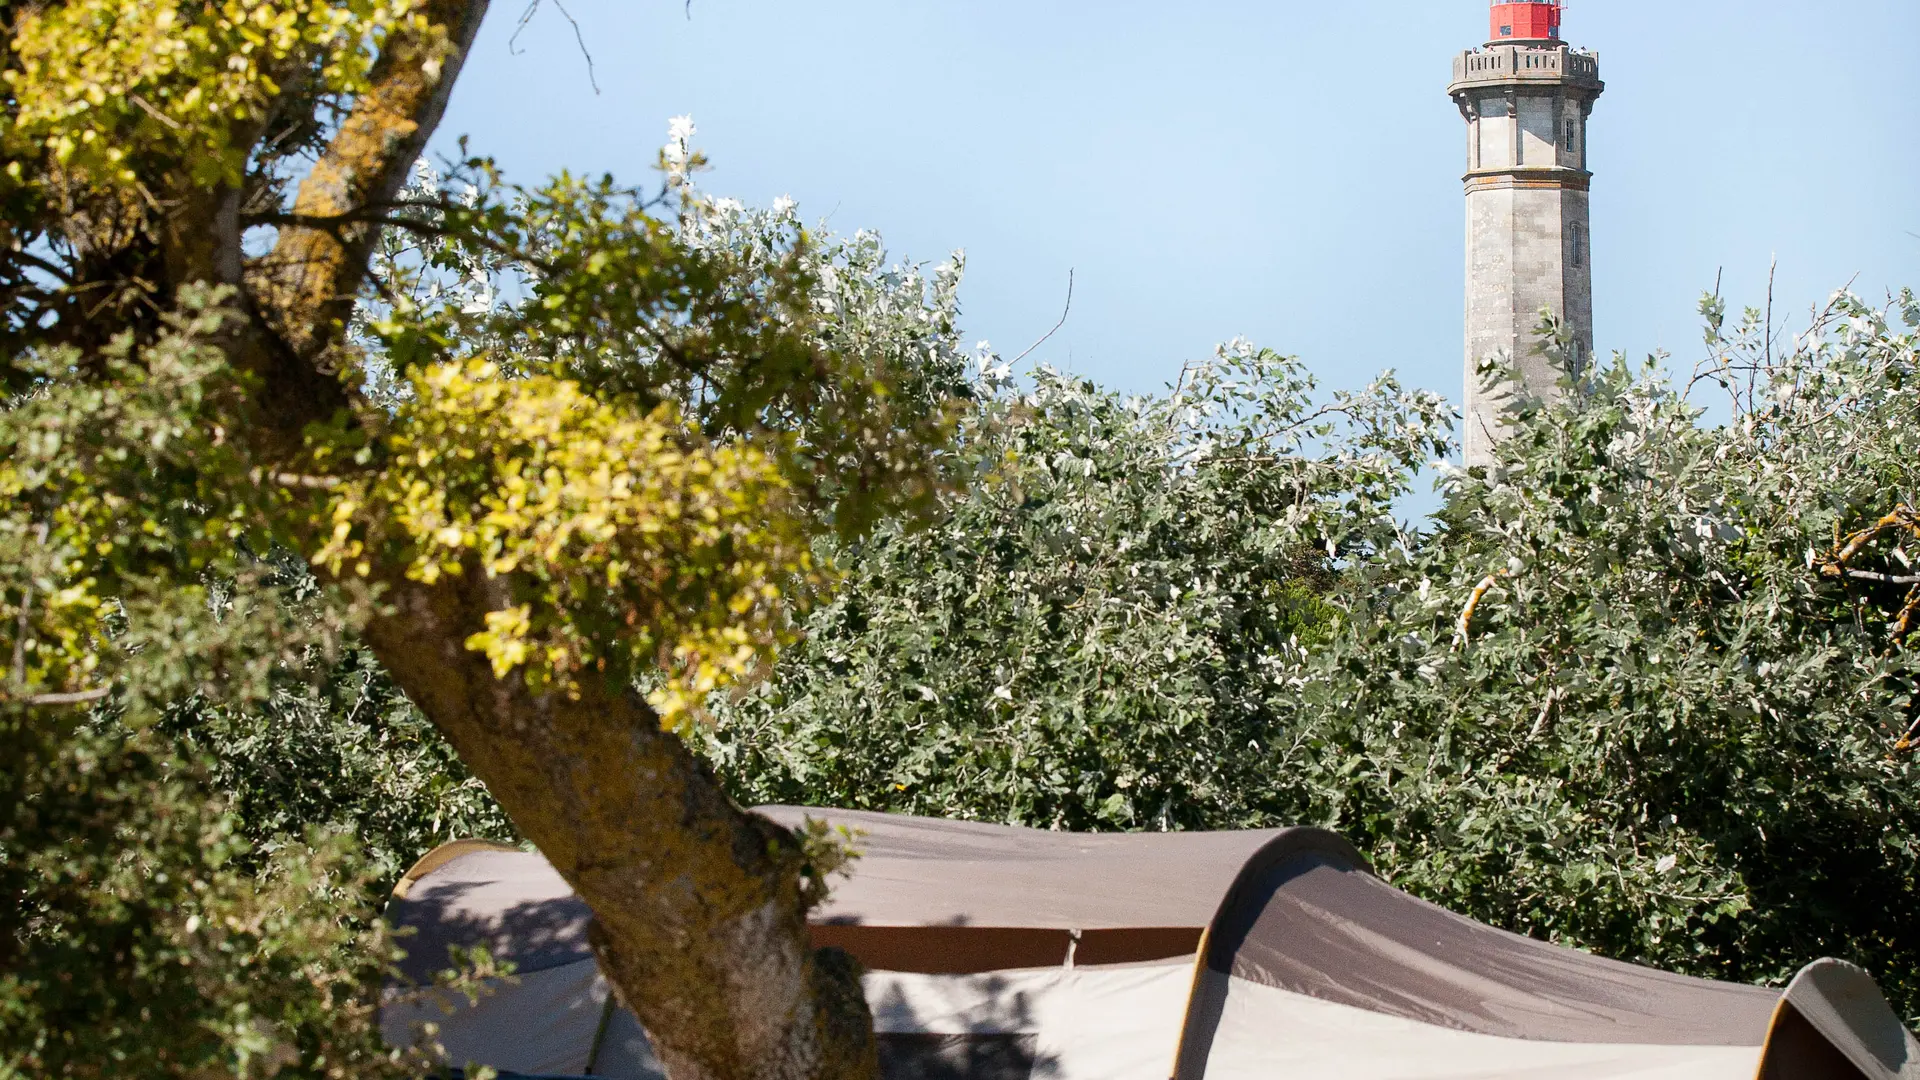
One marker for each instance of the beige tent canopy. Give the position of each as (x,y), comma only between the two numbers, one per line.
(996,953)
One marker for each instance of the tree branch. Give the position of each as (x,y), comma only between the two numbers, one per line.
(316,273)
(1465,627)
(1064,312)
(42,265)
(698,916)
(147,107)
(1906,742)
(1904,624)
(301,481)
(1901,517)
(1884,579)
(83,697)
(341,225)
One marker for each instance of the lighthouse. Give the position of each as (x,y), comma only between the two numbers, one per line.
(1526,97)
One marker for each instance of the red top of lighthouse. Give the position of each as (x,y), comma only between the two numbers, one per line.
(1525,22)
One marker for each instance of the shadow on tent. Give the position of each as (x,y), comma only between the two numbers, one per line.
(1000,953)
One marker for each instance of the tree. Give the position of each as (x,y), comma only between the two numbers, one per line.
(1648,687)
(1105,628)
(557,523)
(339,750)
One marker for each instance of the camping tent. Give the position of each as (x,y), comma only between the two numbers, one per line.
(996,952)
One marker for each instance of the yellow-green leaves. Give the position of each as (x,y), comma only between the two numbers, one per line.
(622,537)
(103,485)
(99,84)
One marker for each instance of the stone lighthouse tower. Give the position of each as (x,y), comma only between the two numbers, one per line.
(1526,97)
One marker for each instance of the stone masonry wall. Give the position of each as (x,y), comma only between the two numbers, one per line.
(1522,244)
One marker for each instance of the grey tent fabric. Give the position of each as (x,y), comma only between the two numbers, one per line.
(1337,933)
(955,897)
(542,1023)
(471,894)
(926,895)
(1843,1005)
(1308,931)
(1001,953)
(931,872)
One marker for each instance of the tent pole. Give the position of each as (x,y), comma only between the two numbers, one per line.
(600,1033)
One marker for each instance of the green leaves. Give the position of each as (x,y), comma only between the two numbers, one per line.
(1665,736)
(104,90)
(818,350)
(136,935)
(1611,697)
(1105,629)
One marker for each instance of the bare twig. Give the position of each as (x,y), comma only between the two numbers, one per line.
(1884,579)
(513,43)
(1180,384)
(82,697)
(579,38)
(1773,269)
(366,684)
(301,482)
(1716,367)
(147,107)
(1056,326)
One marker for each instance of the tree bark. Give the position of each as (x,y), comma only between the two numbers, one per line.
(697,903)
(316,274)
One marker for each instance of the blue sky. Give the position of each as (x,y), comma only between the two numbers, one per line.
(1281,170)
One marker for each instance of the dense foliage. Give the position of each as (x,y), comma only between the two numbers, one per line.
(1643,688)
(1648,686)
(136,935)
(1106,631)
(144,947)
(340,751)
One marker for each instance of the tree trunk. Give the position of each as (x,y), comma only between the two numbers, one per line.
(697,903)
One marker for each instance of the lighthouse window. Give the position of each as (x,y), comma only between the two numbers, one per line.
(1506,31)
(1579,245)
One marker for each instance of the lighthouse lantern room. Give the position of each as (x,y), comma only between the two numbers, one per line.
(1525,22)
